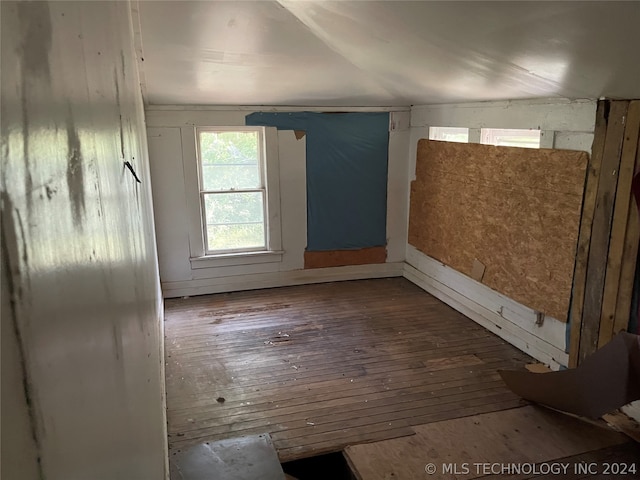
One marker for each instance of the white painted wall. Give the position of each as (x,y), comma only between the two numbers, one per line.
(82,367)
(571,124)
(170,132)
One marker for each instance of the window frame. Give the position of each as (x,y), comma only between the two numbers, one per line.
(200,256)
(262,189)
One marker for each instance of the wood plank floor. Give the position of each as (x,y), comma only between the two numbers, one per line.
(323,366)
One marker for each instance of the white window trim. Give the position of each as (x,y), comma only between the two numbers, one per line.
(199,257)
(231,259)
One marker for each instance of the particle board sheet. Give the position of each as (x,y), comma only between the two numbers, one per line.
(514,210)
(521,435)
(337,258)
(320,367)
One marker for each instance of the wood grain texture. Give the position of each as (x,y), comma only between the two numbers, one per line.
(601,229)
(339,258)
(584,239)
(323,366)
(630,252)
(515,210)
(521,435)
(627,273)
(625,453)
(621,240)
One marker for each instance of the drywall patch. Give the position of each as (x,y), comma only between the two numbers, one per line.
(340,258)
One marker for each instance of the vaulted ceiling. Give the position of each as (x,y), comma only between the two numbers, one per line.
(366,53)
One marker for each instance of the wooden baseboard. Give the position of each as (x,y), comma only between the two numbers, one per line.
(280,279)
(506,318)
(339,258)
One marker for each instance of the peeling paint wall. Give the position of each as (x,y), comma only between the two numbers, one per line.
(82,368)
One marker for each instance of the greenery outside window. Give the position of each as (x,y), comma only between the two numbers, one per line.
(233,189)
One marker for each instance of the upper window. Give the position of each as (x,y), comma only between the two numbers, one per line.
(449,134)
(233,193)
(510,137)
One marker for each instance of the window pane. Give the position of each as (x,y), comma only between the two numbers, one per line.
(227,177)
(510,137)
(449,134)
(229,160)
(229,237)
(235,220)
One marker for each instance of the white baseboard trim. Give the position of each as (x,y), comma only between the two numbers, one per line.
(280,279)
(495,312)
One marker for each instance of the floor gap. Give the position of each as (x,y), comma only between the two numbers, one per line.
(321,467)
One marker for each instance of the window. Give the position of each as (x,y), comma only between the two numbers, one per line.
(233,189)
(510,137)
(449,134)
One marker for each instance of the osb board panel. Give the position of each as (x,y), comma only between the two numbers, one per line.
(529,435)
(339,258)
(515,210)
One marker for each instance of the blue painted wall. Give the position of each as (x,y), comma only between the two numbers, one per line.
(347,156)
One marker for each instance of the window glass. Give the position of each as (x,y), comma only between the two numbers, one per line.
(232,190)
(449,134)
(510,137)
(230,160)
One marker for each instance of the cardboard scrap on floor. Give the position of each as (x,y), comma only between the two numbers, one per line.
(604,381)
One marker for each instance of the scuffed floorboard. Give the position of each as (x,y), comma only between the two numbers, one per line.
(320,367)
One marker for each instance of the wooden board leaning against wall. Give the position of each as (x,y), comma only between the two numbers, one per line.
(516,211)
(609,232)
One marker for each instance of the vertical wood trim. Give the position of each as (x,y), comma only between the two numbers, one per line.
(619,237)
(601,229)
(627,275)
(192,190)
(547,138)
(272,180)
(584,238)
(629,258)
(474,135)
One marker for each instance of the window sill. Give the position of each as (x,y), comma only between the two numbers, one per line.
(232,259)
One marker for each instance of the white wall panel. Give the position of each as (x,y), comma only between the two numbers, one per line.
(78,248)
(174,220)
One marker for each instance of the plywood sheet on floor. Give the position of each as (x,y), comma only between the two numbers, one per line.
(323,366)
(529,434)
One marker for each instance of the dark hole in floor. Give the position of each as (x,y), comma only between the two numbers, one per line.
(332,465)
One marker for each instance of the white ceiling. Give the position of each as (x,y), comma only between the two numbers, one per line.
(388,53)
